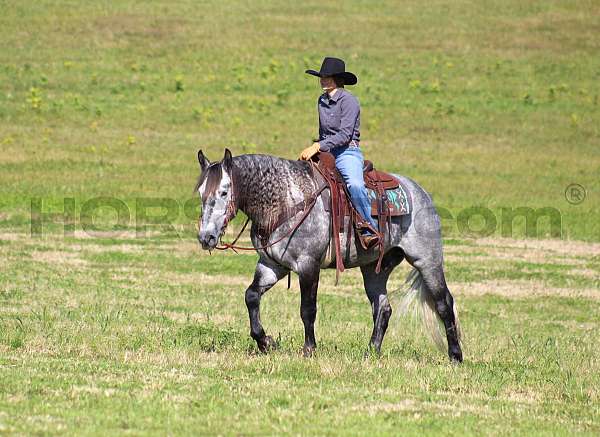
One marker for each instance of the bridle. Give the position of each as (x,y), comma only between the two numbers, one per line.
(230,210)
(305,206)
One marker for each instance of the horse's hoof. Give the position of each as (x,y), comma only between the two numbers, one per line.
(372,351)
(266,344)
(456,357)
(307,351)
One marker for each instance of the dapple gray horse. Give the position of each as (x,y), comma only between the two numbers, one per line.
(264,187)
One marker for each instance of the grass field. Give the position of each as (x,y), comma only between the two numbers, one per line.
(490,105)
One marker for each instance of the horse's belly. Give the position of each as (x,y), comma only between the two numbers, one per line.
(352,252)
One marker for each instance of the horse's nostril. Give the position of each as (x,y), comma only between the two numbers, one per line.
(207,240)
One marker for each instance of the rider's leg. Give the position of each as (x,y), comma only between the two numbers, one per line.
(350,164)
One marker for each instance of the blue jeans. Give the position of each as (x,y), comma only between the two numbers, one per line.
(349,161)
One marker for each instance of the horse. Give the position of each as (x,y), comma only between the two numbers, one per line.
(266,188)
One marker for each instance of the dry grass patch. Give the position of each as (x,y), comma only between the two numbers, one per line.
(588,273)
(457,254)
(12,236)
(520,289)
(58,257)
(98,248)
(561,247)
(114,235)
(202,279)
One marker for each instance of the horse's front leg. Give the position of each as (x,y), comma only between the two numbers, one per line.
(265,276)
(309,283)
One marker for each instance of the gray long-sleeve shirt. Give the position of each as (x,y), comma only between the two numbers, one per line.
(339,119)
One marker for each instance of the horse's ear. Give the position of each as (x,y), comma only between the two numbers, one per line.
(227,160)
(204,162)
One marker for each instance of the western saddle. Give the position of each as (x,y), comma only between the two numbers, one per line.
(341,206)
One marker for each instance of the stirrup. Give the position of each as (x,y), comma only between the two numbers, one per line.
(371,240)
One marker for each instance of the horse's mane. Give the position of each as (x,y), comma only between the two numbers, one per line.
(213,173)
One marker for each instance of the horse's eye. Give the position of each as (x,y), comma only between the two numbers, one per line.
(223,194)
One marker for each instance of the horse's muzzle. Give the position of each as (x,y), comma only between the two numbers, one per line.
(207,240)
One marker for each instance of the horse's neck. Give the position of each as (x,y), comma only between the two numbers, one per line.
(266,186)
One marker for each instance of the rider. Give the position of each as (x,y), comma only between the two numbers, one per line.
(339,124)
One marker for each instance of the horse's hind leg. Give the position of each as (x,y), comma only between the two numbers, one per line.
(265,276)
(376,288)
(437,293)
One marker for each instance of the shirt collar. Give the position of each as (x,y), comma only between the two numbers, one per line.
(337,95)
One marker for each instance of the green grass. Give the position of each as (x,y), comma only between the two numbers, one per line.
(485,104)
(152,338)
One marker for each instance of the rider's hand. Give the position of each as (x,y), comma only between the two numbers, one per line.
(309,152)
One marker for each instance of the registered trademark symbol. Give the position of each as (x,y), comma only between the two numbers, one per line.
(575,194)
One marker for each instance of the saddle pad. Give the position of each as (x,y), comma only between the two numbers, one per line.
(397,200)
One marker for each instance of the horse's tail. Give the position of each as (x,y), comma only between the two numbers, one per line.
(419,302)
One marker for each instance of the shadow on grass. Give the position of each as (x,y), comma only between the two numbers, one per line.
(208,337)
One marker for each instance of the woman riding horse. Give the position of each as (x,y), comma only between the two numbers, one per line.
(267,188)
(339,134)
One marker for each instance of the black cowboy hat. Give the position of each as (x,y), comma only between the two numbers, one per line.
(335,67)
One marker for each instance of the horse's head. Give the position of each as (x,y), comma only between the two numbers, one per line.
(217,195)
